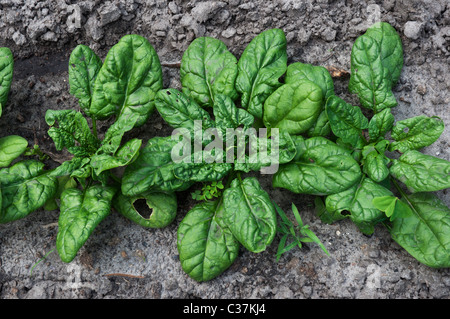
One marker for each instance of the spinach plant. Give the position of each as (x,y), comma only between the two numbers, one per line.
(359,173)
(319,145)
(220,98)
(24,186)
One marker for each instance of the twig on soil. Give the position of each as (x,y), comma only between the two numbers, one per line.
(336,72)
(124,275)
(171,64)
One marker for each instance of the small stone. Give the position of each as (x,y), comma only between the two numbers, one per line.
(50,36)
(36,29)
(412,29)
(228,33)
(93,29)
(173,7)
(421,89)
(19,39)
(108,14)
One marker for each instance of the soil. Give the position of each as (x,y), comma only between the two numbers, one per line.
(124,260)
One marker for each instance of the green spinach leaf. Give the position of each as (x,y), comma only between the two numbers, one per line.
(25,187)
(249,213)
(260,66)
(206,246)
(420,172)
(416,132)
(320,167)
(81,212)
(208,69)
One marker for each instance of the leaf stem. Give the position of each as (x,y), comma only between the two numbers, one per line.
(94,127)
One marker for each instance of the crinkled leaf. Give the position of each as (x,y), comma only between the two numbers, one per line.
(202,172)
(267,152)
(69,129)
(293,108)
(179,111)
(426,233)
(124,156)
(375,166)
(130,77)
(162,207)
(369,79)
(227,115)
(113,136)
(153,169)
(319,75)
(6,74)
(380,124)
(84,66)
(207,69)
(68,167)
(250,214)
(260,66)
(420,172)
(321,127)
(357,200)
(320,167)
(416,132)
(25,187)
(81,211)
(205,245)
(391,49)
(11,147)
(346,121)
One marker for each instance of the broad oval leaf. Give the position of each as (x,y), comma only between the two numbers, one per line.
(357,201)
(206,246)
(266,154)
(6,74)
(321,127)
(391,49)
(124,156)
(227,115)
(319,75)
(153,169)
(180,111)
(420,172)
(293,108)
(161,205)
(426,233)
(250,214)
(207,69)
(80,212)
(369,79)
(416,132)
(380,124)
(320,167)
(260,66)
(25,188)
(84,66)
(11,147)
(346,121)
(130,77)
(375,166)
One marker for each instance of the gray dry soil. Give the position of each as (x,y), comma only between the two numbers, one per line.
(124,260)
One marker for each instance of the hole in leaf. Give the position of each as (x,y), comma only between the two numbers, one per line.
(142,208)
(168,93)
(345,213)
(406,130)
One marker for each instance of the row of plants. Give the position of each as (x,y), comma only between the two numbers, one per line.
(358,167)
